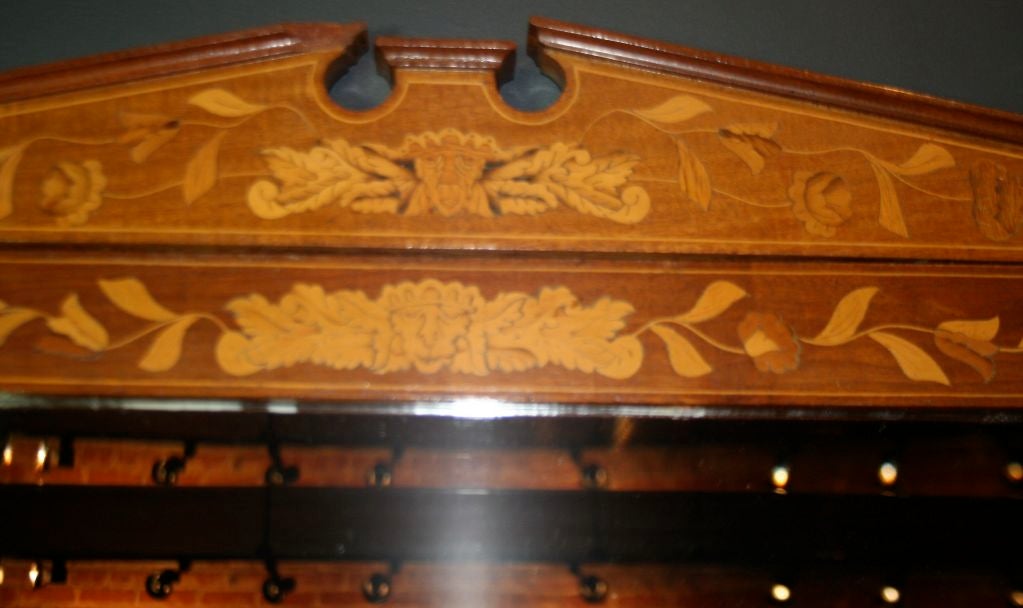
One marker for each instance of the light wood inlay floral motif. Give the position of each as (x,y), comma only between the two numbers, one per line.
(820,199)
(449,173)
(72,190)
(431,326)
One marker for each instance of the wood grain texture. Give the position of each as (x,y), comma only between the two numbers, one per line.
(550,34)
(393,328)
(496,56)
(199,145)
(172,59)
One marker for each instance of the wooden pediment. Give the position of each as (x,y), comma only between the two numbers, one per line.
(202,219)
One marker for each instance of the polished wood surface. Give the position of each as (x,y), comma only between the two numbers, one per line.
(397,329)
(647,150)
(760,326)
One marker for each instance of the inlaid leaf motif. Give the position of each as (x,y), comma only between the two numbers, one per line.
(677,109)
(846,319)
(890,214)
(222,103)
(131,296)
(693,178)
(430,326)
(13,318)
(627,357)
(201,172)
(984,330)
(9,159)
(685,359)
(978,354)
(928,158)
(760,344)
(751,142)
(412,179)
(232,357)
(914,362)
(79,325)
(715,299)
(579,337)
(342,330)
(165,351)
(152,142)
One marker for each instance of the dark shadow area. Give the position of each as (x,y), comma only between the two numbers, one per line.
(968,51)
(362,87)
(530,90)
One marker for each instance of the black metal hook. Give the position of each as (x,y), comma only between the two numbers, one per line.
(592,588)
(592,476)
(382,473)
(167,471)
(276,587)
(377,588)
(278,473)
(159,585)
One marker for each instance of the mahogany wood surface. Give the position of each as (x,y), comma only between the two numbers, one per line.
(743,73)
(234,141)
(394,328)
(689,271)
(159,61)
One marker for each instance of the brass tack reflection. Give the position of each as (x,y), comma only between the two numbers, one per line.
(1014,471)
(42,454)
(781,593)
(780,478)
(890,595)
(888,474)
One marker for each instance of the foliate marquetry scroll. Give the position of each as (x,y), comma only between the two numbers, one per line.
(627,160)
(73,189)
(821,198)
(445,173)
(432,326)
(449,173)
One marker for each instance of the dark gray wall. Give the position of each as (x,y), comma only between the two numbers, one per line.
(970,50)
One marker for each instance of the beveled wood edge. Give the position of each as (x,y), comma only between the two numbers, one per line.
(349,40)
(804,85)
(222,50)
(394,52)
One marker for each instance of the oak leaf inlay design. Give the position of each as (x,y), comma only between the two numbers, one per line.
(449,173)
(432,326)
